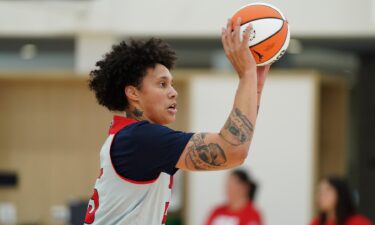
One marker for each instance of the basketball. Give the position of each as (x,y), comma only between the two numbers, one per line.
(270,36)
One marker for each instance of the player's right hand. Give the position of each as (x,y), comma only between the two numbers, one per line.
(237,51)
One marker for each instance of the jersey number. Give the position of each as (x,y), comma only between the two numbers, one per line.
(93,206)
(167,203)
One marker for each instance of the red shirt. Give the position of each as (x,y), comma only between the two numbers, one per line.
(353,220)
(222,215)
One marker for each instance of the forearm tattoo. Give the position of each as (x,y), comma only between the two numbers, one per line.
(202,156)
(238,129)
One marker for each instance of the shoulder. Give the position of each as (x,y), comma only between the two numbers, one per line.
(142,130)
(252,214)
(144,126)
(358,220)
(130,129)
(250,207)
(150,126)
(145,129)
(154,136)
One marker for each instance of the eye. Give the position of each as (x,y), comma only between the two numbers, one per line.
(163,84)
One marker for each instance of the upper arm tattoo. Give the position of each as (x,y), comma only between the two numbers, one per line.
(202,156)
(238,129)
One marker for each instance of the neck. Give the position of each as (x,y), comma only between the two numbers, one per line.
(331,215)
(238,204)
(135,113)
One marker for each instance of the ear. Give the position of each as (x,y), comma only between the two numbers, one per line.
(132,93)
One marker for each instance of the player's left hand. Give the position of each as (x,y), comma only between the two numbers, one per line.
(262,72)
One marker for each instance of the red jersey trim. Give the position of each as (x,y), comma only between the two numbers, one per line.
(118,123)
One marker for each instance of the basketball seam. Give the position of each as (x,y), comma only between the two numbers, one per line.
(270,36)
(270,17)
(267,18)
(280,47)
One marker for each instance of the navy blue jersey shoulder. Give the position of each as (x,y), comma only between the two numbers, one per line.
(142,150)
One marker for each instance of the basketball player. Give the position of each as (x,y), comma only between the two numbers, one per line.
(141,154)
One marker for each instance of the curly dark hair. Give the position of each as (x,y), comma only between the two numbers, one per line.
(127,64)
(345,206)
(246,179)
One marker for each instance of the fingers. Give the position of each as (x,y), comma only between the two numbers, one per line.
(224,41)
(234,36)
(229,34)
(236,32)
(237,50)
(268,67)
(260,69)
(226,38)
(246,35)
(263,70)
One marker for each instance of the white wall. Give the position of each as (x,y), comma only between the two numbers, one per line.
(281,157)
(178,17)
(89,49)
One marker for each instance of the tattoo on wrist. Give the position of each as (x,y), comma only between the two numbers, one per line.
(202,156)
(238,129)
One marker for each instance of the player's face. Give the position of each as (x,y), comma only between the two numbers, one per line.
(326,197)
(158,98)
(235,189)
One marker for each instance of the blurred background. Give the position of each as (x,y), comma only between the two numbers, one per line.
(317,116)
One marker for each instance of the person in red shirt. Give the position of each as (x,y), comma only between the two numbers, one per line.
(239,208)
(336,204)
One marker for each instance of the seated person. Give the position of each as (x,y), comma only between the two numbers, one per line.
(239,208)
(336,204)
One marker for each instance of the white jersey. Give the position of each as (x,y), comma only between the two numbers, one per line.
(120,201)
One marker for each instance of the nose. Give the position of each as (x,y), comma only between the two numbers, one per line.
(173,93)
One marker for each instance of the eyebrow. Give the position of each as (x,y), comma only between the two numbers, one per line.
(165,78)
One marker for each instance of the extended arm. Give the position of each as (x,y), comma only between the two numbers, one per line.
(229,147)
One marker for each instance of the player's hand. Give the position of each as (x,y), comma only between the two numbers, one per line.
(262,72)
(237,51)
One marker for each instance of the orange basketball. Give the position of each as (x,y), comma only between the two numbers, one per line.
(270,36)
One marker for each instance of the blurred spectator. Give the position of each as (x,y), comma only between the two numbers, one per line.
(336,205)
(239,208)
